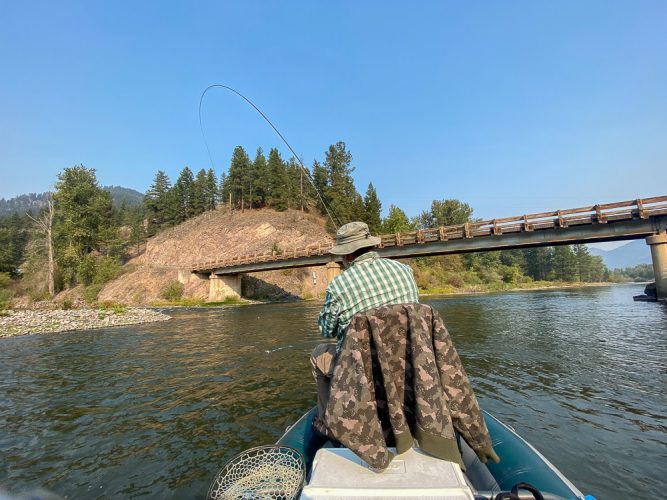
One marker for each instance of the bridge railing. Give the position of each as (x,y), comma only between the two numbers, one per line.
(594,214)
(274,255)
(601,214)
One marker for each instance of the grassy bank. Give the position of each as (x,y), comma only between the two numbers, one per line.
(507,287)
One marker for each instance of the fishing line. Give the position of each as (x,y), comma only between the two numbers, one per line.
(334,219)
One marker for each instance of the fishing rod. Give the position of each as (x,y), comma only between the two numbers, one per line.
(335,220)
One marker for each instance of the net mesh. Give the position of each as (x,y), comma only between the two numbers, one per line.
(265,472)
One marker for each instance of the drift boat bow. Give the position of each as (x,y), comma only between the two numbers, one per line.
(336,473)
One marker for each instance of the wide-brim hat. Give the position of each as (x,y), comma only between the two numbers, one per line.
(353,236)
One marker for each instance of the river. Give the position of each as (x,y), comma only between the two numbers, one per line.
(156,410)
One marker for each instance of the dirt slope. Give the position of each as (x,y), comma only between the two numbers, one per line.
(220,234)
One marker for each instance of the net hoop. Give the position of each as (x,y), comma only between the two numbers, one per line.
(271,472)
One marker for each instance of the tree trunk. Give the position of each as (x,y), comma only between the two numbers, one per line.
(45,224)
(49,242)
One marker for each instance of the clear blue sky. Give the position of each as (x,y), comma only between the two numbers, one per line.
(513,107)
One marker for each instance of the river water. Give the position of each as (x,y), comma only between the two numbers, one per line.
(155,410)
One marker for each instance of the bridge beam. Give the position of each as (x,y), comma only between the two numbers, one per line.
(658,244)
(224,286)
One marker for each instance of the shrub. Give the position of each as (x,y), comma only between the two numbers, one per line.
(66,304)
(91,292)
(455,280)
(5,293)
(108,268)
(115,307)
(173,291)
(86,270)
(511,274)
(191,302)
(38,295)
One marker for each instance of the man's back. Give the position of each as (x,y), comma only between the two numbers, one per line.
(370,282)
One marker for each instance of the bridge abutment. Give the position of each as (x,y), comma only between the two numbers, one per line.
(223,287)
(658,244)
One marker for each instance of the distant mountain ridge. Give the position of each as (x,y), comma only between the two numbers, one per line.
(630,255)
(22,204)
(34,202)
(122,195)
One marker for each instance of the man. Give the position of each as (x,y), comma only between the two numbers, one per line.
(367,282)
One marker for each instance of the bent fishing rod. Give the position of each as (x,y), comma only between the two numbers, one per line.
(334,219)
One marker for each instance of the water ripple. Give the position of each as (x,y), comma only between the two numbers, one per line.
(155,410)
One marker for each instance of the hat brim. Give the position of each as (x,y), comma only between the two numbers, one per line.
(348,248)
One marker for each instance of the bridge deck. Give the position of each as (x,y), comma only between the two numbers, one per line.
(613,221)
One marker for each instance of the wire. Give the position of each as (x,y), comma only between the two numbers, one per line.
(334,219)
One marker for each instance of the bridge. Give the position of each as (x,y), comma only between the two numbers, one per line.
(640,218)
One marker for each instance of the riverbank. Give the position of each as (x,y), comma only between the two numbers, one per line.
(42,320)
(26,322)
(532,286)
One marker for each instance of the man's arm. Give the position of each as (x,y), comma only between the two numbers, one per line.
(328,321)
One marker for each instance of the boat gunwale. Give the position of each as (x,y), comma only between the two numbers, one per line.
(309,435)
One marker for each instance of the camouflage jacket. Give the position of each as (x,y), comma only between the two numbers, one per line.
(397,378)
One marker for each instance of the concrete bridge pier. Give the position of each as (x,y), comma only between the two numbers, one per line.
(225,286)
(658,244)
(333,270)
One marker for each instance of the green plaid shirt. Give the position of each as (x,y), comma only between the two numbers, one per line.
(369,282)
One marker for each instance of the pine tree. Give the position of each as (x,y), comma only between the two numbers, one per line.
(278,193)
(224,189)
(589,268)
(564,264)
(14,235)
(182,196)
(260,178)
(199,195)
(396,221)
(340,187)
(293,176)
(445,213)
(239,175)
(538,262)
(372,210)
(156,202)
(321,186)
(83,220)
(211,190)
(357,212)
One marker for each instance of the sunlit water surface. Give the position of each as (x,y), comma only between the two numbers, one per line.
(155,410)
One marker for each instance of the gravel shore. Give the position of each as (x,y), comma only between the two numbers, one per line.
(45,321)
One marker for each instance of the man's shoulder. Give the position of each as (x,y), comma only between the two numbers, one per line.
(337,284)
(393,263)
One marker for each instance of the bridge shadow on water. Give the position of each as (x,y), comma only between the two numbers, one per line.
(255,288)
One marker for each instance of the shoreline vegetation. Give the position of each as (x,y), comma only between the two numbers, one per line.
(531,286)
(79,248)
(27,321)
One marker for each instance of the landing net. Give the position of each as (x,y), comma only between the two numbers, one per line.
(265,472)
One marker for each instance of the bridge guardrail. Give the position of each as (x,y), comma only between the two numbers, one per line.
(593,214)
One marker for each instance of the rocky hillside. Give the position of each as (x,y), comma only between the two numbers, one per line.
(216,235)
